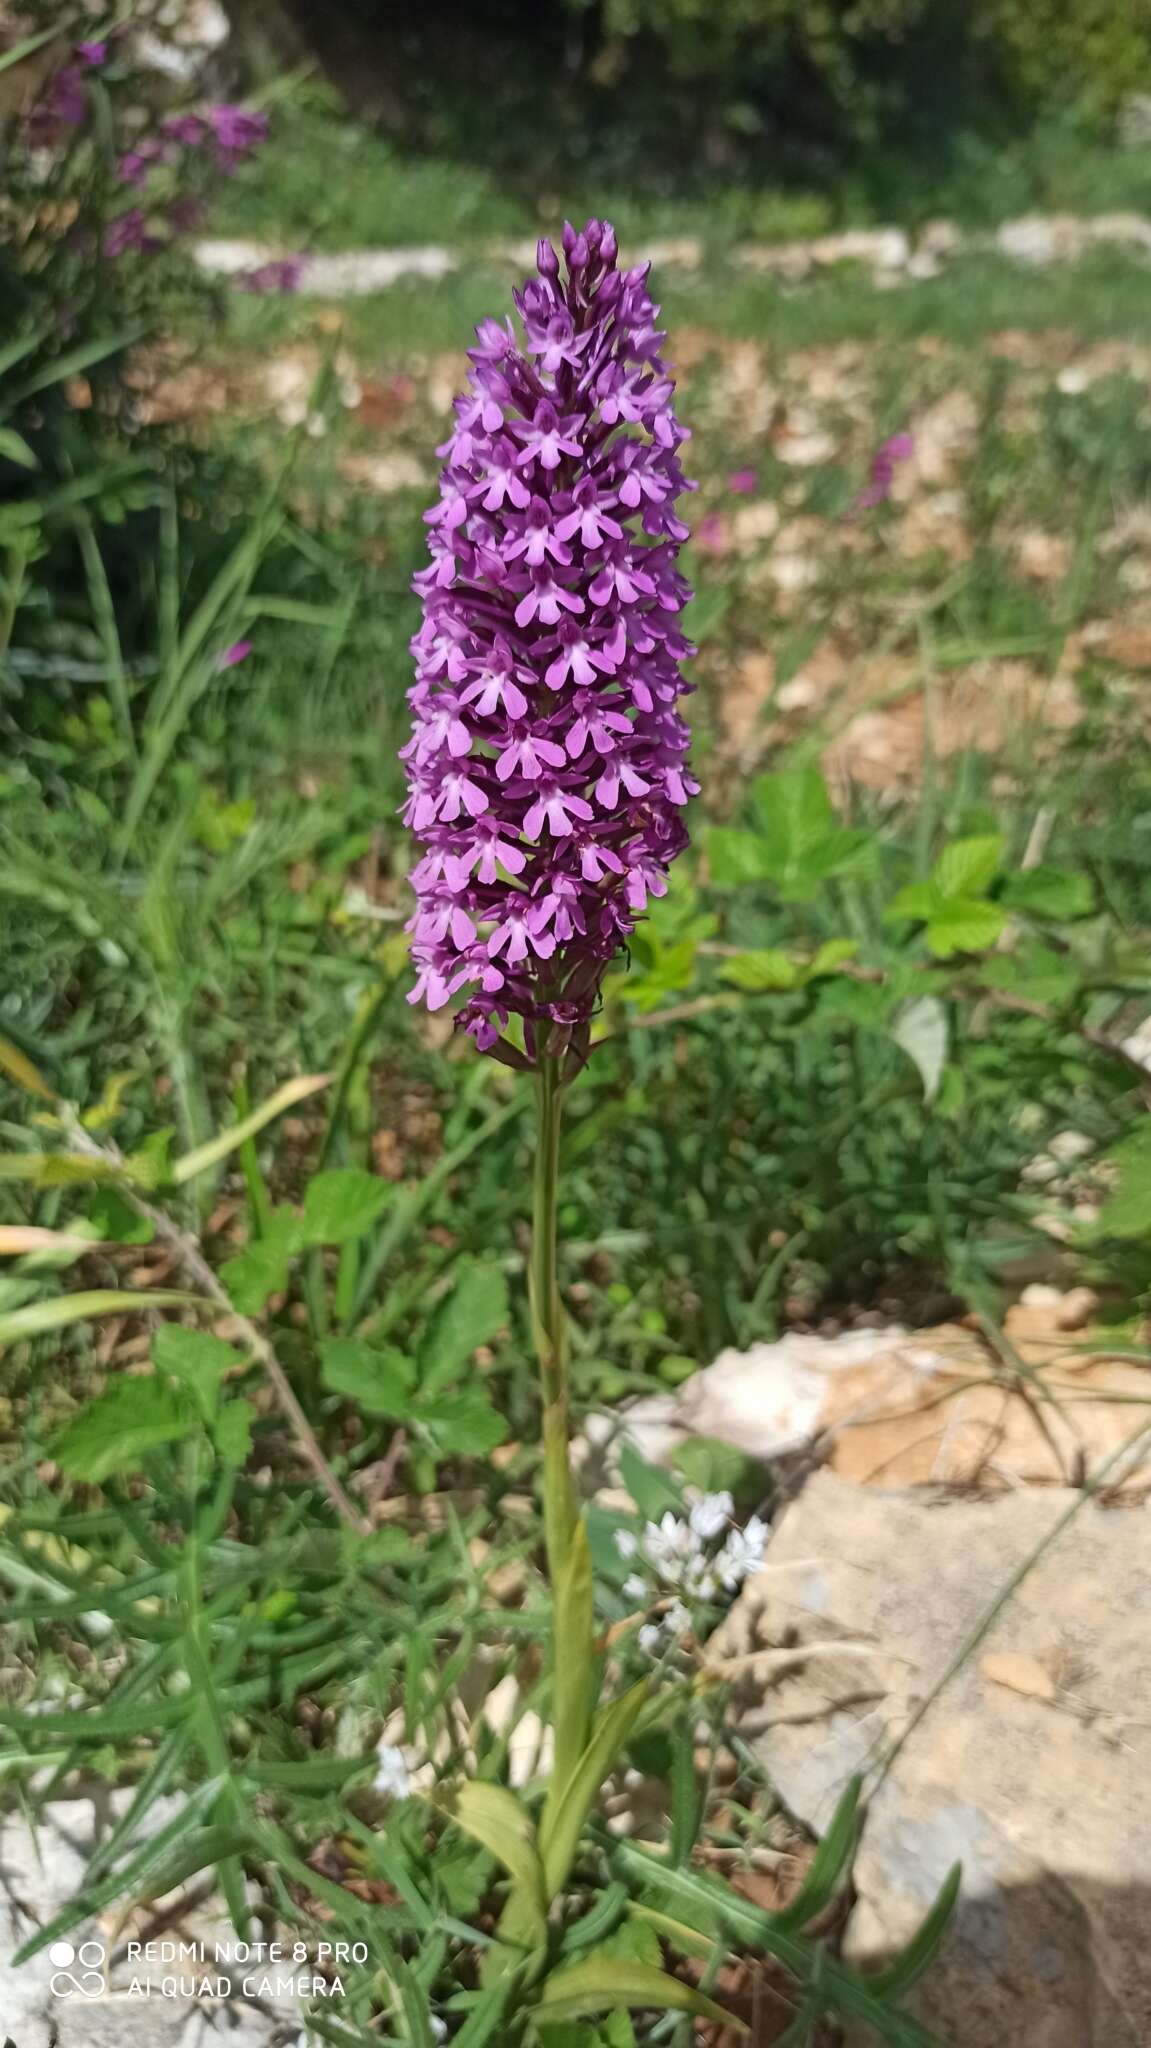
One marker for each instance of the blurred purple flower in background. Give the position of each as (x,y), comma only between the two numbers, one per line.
(129,231)
(235,131)
(281,274)
(900,448)
(93,54)
(742,482)
(233,655)
(546,769)
(711,534)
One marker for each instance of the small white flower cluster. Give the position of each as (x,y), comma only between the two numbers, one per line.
(392,1777)
(680,1560)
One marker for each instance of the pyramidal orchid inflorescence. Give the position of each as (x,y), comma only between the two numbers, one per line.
(546,769)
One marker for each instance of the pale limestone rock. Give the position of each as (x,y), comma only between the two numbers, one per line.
(1042,1790)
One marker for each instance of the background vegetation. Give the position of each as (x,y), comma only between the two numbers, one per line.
(907,953)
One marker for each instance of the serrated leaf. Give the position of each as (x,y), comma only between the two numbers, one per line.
(735,857)
(921,1030)
(762,970)
(196,1361)
(915,900)
(112,1433)
(115,1221)
(474,1311)
(603,1983)
(831,957)
(463,1424)
(1060,893)
(964,927)
(380,1381)
(968,866)
(232,1432)
(262,1269)
(343,1204)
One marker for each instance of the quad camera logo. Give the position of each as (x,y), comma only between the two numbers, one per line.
(77,1972)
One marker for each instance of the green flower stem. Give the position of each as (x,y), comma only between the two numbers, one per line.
(549,1326)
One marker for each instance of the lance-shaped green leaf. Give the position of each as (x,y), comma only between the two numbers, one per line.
(19,1068)
(910,1964)
(206,1156)
(495,1818)
(608,1983)
(829,1863)
(574,1676)
(562,1825)
(36,1317)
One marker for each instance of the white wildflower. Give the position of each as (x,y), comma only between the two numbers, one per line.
(635,1588)
(711,1515)
(439,2029)
(742,1554)
(392,1776)
(677,1620)
(669,1543)
(626,1543)
(650,1639)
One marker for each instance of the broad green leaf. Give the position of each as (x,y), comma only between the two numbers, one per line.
(262,1269)
(968,866)
(114,1220)
(379,1381)
(735,856)
(112,1433)
(196,1360)
(1033,970)
(464,1423)
(1127,1212)
(206,1156)
(602,1983)
(917,900)
(653,1490)
(20,1069)
(761,971)
(920,1029)
(343,1204)
(1060,893)
(964,927)
(232,1432)
(831,956)
(897,1979)
(495,1818)
(63,1309)
(475,1310)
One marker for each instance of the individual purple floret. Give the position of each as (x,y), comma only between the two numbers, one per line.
(546,769)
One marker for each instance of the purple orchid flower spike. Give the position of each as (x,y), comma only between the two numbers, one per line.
(546,769)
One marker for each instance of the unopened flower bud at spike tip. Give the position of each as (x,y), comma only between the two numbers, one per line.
(547,765)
